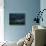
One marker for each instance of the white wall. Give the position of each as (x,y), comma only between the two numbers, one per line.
(43,6)
(1,20)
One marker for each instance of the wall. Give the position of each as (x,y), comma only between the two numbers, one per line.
(29,7)
(1,20)
(43,6)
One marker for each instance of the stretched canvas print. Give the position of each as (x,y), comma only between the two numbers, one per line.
(17,19)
